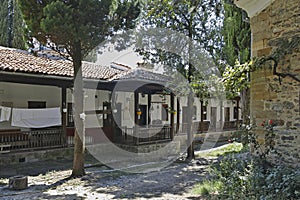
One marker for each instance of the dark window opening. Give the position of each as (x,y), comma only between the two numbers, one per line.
(36,104)
(235,112)
(227,114)
(164,112)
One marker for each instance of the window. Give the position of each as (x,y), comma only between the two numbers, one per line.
(36,104)
(195,112)
(227,114)
(164,112)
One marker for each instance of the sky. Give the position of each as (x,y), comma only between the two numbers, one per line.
(126,57)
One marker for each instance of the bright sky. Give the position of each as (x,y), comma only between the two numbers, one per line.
(126,57)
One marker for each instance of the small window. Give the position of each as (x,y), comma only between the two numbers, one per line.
(36,104)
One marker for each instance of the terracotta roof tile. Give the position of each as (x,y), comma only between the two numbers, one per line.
(20,61)
(142,74)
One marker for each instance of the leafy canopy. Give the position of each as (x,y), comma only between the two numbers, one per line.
(68,22)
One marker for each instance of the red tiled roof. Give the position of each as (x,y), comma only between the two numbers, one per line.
(13,60)
(142,74)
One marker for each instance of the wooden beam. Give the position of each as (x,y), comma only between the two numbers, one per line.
(36,79)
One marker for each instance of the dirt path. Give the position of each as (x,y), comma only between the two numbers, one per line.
(172,182)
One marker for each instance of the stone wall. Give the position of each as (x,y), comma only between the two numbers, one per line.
(271,99)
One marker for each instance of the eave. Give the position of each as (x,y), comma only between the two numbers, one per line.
(253,7)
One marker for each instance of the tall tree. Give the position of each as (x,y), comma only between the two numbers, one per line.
(199,20)
(236,54)
(12,26)
(236,35)
(79,26)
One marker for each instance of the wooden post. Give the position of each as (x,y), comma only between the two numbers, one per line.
(149,109)
(237,114)
(136,117)
(178,115)
(64,115)
(172,117)
(113,107)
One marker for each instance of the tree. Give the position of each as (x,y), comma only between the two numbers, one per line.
(196,19)
(236,54)
(12,29)
(79,26)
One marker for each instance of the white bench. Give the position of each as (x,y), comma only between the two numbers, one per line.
(3,148)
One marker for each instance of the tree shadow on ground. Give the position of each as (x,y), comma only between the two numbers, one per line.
(176,179)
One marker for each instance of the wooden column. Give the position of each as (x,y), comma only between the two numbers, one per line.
(149,107)
(238,112)
(178,115)
(172,117)
(64,114)
(136,120)
(113,107)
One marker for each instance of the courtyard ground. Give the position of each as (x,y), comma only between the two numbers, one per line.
(100,182)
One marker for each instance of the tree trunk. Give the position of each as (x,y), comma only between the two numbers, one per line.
(190,135)
(78,162)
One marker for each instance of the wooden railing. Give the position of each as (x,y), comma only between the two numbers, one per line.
(143,135)
(18,140)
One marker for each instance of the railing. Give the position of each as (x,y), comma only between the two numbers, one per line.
(197,127)
(31,139)
(143,135)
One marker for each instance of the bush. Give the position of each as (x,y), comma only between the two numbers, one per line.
(247,180)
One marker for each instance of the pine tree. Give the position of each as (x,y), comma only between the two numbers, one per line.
(12,26)
(79,26)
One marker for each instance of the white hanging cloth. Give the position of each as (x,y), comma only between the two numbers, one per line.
(5,113)
(36,118)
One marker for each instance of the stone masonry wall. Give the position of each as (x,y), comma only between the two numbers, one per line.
(269,98)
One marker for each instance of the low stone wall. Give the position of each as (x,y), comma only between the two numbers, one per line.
(288,146)
(33,156)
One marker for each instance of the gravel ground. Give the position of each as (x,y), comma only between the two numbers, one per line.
(172,182)
(51,180)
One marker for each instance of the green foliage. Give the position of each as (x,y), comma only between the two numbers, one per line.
(246,179)
(236,78)
(207,187)
(237,35)
(193,26)
(88,22)
(236,50)
(17,23)
(78,26)
(228,149)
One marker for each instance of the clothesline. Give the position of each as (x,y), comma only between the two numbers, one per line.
(31,118)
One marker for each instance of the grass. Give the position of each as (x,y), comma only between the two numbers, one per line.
(228,149)
(207,187)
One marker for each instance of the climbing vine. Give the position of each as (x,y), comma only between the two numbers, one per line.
(285,46)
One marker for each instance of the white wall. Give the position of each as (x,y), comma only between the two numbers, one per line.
(20,94)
